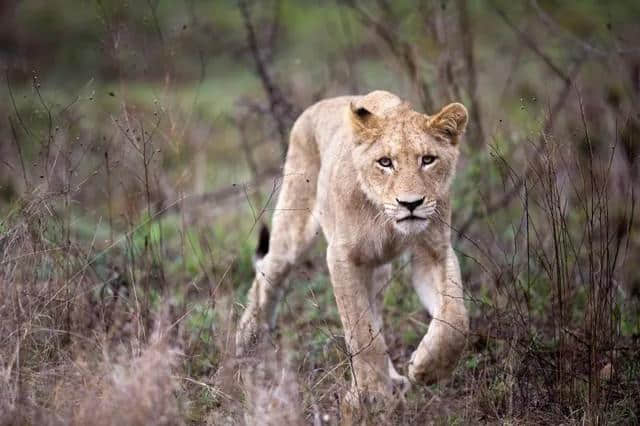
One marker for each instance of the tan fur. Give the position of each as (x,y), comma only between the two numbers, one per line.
(334,182)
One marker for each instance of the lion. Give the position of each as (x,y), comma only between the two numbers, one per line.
(374,175)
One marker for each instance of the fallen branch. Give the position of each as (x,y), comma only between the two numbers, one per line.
(221,195)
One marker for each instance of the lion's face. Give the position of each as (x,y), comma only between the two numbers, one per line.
(406,160)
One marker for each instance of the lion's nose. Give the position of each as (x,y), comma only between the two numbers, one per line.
(410,205)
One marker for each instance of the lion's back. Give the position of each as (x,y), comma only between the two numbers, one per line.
(324,124)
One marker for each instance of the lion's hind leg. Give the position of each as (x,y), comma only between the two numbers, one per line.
(294,230)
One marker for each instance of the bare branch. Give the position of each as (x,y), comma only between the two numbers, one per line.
(401,50)
(553,25)
(531,44)
(17,143)
(476,135)
(281,110)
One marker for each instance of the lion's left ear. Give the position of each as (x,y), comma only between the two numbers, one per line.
(450,122)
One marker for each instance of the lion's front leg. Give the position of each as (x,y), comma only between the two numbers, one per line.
(363,334)
(438,284)
(380,281)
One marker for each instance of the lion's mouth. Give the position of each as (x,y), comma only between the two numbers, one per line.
(411,217)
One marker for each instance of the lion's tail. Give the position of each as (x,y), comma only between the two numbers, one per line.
(263,244)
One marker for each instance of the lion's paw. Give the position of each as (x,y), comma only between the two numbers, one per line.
(426,370)
(401,384)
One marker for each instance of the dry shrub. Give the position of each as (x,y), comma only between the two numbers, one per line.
(275,402)
(139,391)
(271,388)
(69,352)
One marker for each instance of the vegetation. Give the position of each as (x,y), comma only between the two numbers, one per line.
(141,144)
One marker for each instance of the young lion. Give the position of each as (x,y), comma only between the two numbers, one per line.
(374,175)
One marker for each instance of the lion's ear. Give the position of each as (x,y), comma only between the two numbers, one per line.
(450,122)
(365,124)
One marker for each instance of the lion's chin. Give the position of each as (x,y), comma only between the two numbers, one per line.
(411,225)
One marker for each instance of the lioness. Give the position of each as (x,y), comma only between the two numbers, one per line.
(374,175)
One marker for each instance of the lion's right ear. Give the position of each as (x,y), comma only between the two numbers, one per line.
(365,124)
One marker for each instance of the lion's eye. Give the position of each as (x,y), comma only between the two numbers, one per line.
(385,162)
(428,159)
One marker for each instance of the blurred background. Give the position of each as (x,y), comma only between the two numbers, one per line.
(141,144)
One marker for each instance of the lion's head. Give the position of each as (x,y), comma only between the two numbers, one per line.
(405,159)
